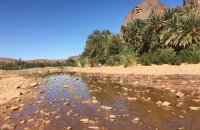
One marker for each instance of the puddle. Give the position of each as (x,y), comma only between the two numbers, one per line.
(67,99)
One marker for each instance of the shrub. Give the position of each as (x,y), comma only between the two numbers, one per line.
(165,56)
(160,56)
(145,60)
(114,60)
(128,56)
(84,61)
(190,55)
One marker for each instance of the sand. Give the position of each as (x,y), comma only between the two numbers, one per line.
(13,87)
(184,69)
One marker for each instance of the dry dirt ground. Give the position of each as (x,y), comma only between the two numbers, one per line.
(12,87)
(184,69)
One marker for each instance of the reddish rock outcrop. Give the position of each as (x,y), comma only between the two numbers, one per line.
(145,10)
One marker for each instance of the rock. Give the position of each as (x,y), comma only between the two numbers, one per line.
(69,113)
(84,121)
(94,127)
(94,101)
(69,128)
(166,104)
(47,122)
(180,104)
(8,127)
(136,83)
(106,107)
(33,84)
(194,108)
(15,108)
(18,87)
(172,91)
(131,99)
(125,89)
(145,10)
(196,100)
(66,104)
(7,118)
(135,120)
(30,120)
(112,116)
(180,95)
(195,4)
(22,122)
(57,117)
(159,103)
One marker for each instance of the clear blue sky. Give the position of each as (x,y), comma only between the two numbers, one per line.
(57,29)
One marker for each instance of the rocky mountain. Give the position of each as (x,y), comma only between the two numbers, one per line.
(154,7)
(145,10)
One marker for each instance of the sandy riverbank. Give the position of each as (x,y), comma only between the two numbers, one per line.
(184,69)
(14,86)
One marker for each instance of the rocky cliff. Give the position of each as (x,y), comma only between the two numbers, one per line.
(195,4)
(145,10)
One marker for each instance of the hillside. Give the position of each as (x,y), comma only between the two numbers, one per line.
(7,60)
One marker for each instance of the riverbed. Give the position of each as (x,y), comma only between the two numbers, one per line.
(87,101)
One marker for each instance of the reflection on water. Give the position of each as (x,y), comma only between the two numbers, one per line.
(68,99)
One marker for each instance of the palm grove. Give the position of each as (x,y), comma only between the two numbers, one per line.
(173,38)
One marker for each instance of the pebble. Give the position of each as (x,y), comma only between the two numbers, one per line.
(131,99)
(112,116)
(166,104)
(180,95)
(106,107)
(84,120)
(135,120)
(15,108)
(33,84)
(94,128)
(194,108)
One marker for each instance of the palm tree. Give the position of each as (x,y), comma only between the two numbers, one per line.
(181,31)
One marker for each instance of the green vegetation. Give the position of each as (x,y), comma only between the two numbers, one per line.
(25,65)
(173,39)
(106,48)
